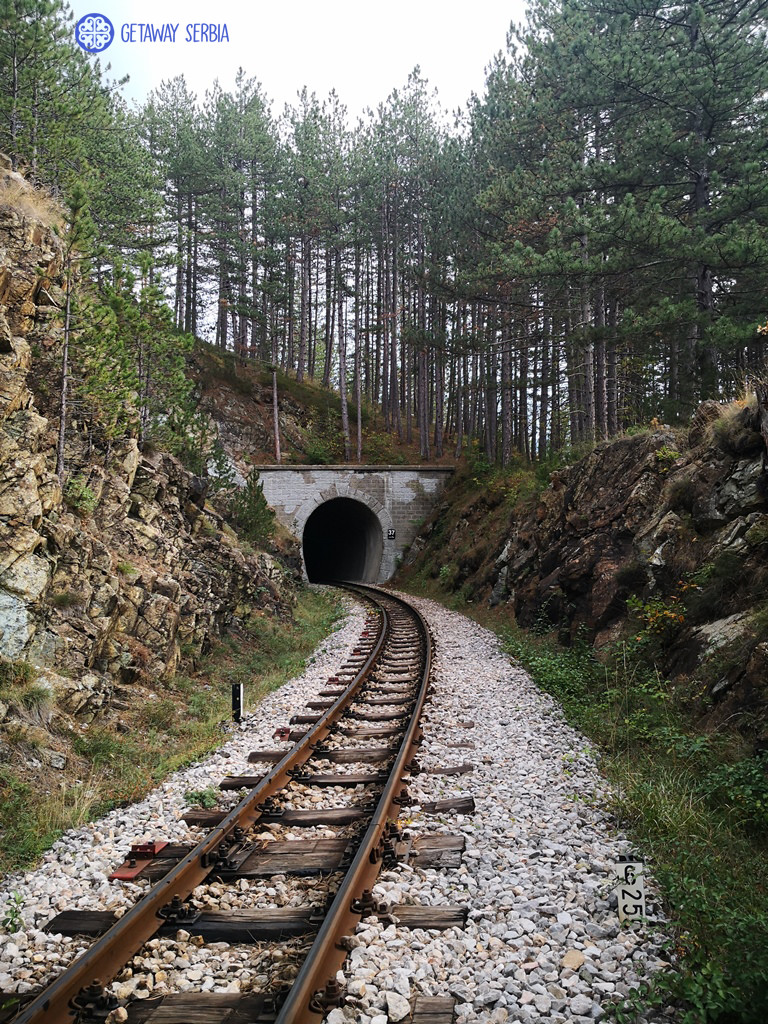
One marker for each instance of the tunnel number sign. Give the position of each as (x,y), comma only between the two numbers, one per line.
(391,534)
(630,891)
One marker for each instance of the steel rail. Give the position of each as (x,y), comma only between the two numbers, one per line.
(327,954)
(109,954)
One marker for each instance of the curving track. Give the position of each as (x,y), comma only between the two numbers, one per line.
(379,695)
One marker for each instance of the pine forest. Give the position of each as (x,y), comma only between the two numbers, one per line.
(583,248)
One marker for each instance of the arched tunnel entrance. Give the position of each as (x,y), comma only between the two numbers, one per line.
(343,541)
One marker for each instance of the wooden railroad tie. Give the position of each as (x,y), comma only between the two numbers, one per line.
(297,857)
(223,1008)
(457,804)
(246,926)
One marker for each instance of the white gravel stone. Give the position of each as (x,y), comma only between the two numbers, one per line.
(536,874)
(542,941)
(74,873)
(398,1007)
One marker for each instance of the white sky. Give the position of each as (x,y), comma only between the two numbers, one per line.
(363,50)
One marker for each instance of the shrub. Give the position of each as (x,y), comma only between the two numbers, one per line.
(319,452)
(665,456)
(207,798)
(254,519)
(715,584)
(741,790)
(681,494)
(736,435)
(632,577)
(79,497)
(447,575)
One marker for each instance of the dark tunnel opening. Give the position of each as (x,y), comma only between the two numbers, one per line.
(343,541)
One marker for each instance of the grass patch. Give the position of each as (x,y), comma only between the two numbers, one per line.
(18,687)
(695,804)
(31,823)
(14,675)
(184,724)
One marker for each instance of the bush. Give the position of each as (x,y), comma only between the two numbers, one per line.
(736,435)
(716,584)
(319,452)
(632,577)
(206,798)
(253,517)
(79,497)
(741,791)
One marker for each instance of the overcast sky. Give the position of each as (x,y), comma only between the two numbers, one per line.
(363,50)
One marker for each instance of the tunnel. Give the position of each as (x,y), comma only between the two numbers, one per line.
(343,541)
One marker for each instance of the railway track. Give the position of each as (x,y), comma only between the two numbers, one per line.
(342,770)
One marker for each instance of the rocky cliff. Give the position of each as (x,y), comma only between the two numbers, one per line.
(660,532)
(104,588)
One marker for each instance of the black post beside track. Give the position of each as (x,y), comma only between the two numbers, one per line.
(109,954)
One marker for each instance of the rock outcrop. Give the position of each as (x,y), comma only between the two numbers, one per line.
(115,581)
(658,517)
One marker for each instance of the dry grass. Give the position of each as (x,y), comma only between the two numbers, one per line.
(30,202)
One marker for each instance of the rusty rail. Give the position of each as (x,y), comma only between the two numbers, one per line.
(303,1004)
(109,954)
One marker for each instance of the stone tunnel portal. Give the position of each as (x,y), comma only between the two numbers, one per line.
(343,541)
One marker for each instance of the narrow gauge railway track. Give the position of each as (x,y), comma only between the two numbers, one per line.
(370,718)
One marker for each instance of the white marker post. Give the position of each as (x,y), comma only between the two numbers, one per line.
(630,891)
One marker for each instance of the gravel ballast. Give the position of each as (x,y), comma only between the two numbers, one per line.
(542,943)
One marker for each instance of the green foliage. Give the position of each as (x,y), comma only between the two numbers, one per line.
(665,456)
(716,583)
(219,468)
(23,836)
(681,494)
(447,574)
(252,516)
(79,497)
(206,798)
(695,805)
(661,617)
(319,452)
(740,791)
(13,921)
